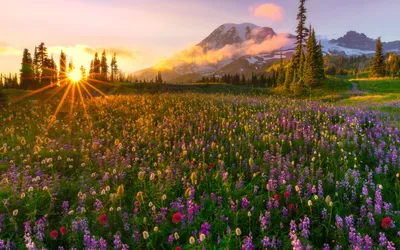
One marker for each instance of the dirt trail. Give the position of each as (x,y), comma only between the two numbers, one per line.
(354,89)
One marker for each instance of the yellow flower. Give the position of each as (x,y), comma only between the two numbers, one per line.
(141,175)
(188,192)
(120,190)
(116,142)
(3,150)
(155,229)
(202,237)
(238,232)
(193,178)
(192,240)
(176,236)
(328,200)
(139,196)
(309,203)
(23,141)
(145,235)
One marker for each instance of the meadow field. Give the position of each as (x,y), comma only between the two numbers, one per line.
(197,170)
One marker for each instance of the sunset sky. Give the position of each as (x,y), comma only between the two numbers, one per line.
(143,32)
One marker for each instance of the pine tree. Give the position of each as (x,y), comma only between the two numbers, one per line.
(289,76)
(42,66)
(378,62)
(281,72)
(310,61)
(114,68)
(302,33)
(83,72)
(54,73)
(320,64)
(96,67)
(63,67)
(159,77)
(27,74)
(36,73)
(104,66)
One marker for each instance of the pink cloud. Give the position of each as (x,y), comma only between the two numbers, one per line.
(267,10)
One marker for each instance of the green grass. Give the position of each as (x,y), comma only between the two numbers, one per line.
(384,86)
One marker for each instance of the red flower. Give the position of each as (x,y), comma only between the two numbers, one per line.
(287,195)
(211,165)
(386,222)
(103,219)
(178,248)
(54,234)
(277,197)
(63,230)
(292,208)
(176,218)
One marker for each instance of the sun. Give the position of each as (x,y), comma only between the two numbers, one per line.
(75,75)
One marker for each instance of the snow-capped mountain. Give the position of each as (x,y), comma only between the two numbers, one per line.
(354,44)
(247,48)
(229,34)
(231,48)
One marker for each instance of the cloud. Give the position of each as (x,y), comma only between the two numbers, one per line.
(121,52)
(196,55)
(267,10)
(7,50)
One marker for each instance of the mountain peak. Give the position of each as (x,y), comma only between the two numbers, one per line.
(231,33)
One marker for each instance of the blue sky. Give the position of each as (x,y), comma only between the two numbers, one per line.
(147,30)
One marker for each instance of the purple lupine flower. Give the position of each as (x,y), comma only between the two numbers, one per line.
(305,227)
(339,222)
(378,201)
(245,203)
(324,214)
(117,242)
(365,190)
(98,205)
(285,213)
(326,247)
(206,228)
(65,207)
(40,228)
(349,221)
(264,220)
(27,227)
(391,246)
(382,239)
(103,244)
(369,244)
(248,243)
(170,238)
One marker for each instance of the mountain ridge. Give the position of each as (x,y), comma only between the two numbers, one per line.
(246,48)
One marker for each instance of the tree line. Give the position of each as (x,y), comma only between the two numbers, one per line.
(40,70)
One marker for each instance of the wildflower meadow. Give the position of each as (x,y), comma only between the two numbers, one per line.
(198,171)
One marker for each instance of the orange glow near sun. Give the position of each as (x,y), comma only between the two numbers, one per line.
(75,75)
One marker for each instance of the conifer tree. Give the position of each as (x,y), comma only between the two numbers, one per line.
(281,72)
(114,68)
(42,65)
(27,74)
(302,33)
(289,76)
(311,60)
(378,62)
(104,66)
(96,67)
(320,64)
(83,72)
(63,67)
